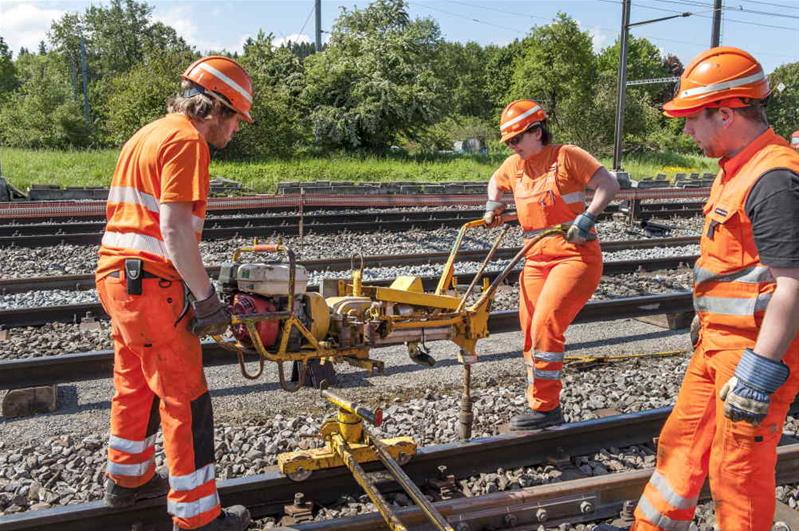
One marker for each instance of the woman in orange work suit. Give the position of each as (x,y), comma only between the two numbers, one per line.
(548,183)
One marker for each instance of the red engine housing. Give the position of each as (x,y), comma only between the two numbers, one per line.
(244,304)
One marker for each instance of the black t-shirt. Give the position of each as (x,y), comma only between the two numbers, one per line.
(773,207)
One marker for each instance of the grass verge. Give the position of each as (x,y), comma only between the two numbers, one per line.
(94,168)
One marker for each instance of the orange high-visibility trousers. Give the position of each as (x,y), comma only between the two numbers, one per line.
(158,376)
(698,440)
(552,291)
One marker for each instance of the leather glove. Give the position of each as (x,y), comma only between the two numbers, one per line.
(211,316)
(493,215)
(746,395)
(580,230)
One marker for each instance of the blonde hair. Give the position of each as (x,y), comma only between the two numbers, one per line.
(199,105)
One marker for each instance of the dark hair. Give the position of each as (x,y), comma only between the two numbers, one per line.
(546,136)
(755,112)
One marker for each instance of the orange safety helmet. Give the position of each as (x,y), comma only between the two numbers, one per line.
(225,80)
(518,116)
(718,77)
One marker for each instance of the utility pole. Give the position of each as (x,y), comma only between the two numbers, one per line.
(621,90)
(715,36)
(318,16)
(84,70)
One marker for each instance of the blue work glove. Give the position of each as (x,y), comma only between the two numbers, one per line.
(580,230)
(493,215)
(746,395)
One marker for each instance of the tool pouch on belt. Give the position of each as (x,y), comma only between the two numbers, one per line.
(133,275)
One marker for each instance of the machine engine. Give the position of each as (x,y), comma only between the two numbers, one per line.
(263,289)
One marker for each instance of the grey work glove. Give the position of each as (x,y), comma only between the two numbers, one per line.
(580,230)
(747,395)
(493,215)
(211,316)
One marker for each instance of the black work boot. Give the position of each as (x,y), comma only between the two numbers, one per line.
(609,527)
(118,496)
(534,420)
(233,518)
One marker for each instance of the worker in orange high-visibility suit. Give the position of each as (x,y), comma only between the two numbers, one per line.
(150,249)
(744,373)
(548,183)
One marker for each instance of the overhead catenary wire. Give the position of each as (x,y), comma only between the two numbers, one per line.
(472,19)
(772,4)
(307,18)
(726,19)
(739,9)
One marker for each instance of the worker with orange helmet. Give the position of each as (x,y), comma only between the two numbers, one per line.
(548,182)
(744,374)
(149,252)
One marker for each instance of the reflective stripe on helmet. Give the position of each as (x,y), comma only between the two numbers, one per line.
(519,118)
(713,87)
(232,84)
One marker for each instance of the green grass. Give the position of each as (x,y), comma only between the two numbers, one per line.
(94,168)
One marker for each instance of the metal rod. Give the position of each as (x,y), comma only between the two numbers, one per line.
(318,17)
(408,485)
(621,85)
(479,272)
(466,415)
(373,417)
(342,449)
(715,34)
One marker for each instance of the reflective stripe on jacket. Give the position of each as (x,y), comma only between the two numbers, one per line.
(731,286)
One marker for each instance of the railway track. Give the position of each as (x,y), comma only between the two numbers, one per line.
(90,232)
(76,313)
(48,370)
(82,282)
(581,500)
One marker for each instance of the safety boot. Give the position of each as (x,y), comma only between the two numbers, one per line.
(534,420)
(233,518)
(118,496)
(609,527)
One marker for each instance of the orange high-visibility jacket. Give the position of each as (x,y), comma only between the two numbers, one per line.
(731,286)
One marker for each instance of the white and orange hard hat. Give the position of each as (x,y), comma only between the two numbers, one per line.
(719,77)
(519,116)
(226,81)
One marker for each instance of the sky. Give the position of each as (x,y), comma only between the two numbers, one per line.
(769,29)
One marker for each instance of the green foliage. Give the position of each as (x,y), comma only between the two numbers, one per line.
(462,71)
(375,80)
(138,96)
(557,69)
(43,112)
(8,72)
(783,107)
(278,78)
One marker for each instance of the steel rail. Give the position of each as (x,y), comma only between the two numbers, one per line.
(75,313)
(86,281)
(82,233)
(266,494)
(48,370)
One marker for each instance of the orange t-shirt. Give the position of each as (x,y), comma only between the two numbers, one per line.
(575,169)
(164,161)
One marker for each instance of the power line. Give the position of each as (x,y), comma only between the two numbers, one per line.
(726,19)
(495,10)
(772,4)
(307,19)
(450,13)
(739,9)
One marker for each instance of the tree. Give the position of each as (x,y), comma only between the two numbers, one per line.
(783,108)
(461,69)
(644,61)
(139,96)
(556,66)
(278,80)
(43,112)
(499,66)
(8,72)
(375,80)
